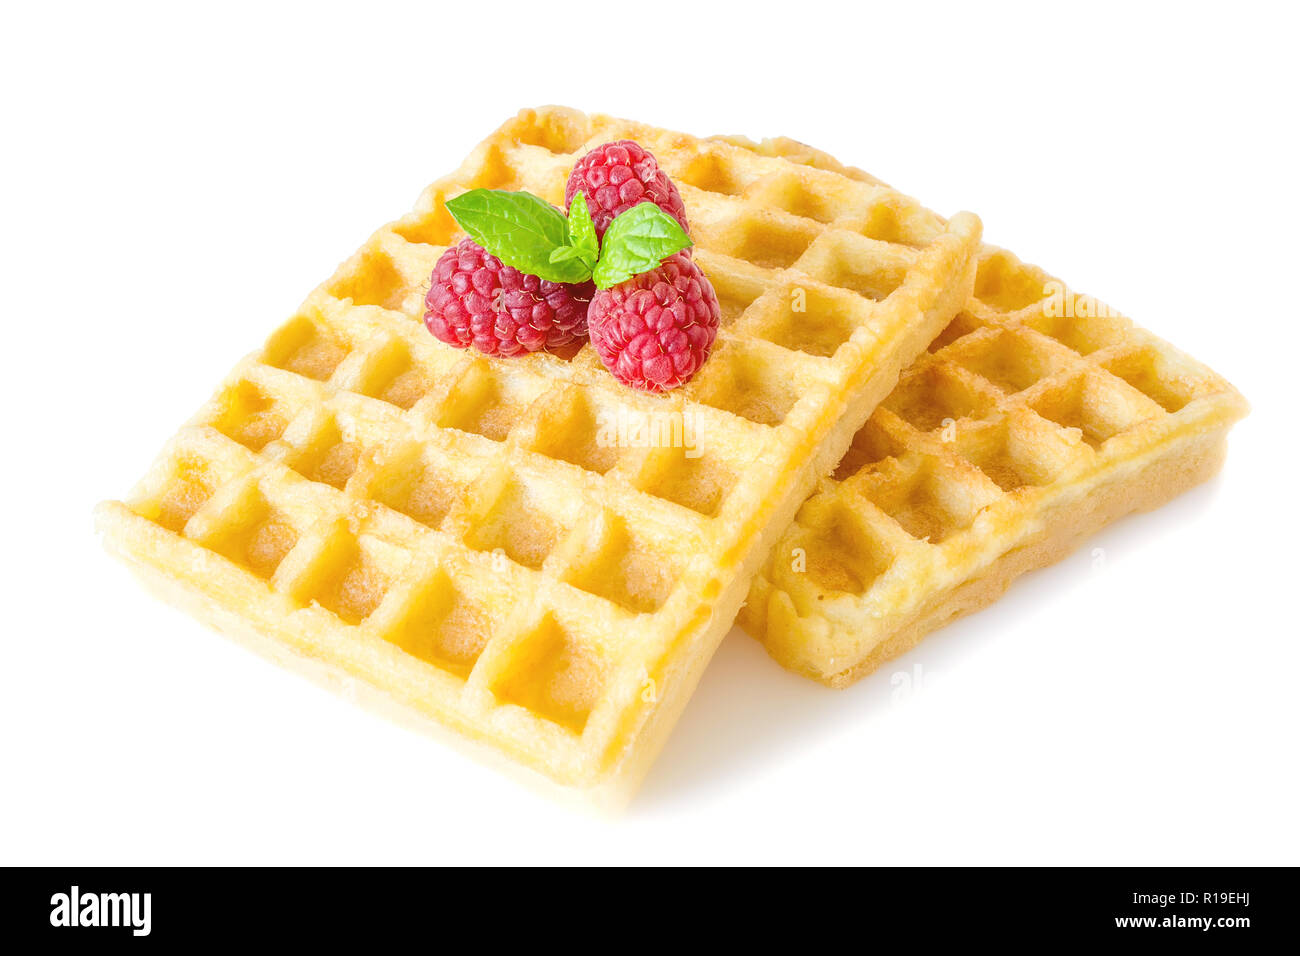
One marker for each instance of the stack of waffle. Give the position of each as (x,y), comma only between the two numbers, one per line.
(465,540)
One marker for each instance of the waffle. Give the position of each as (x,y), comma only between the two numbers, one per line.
(1035,419)
(454,538)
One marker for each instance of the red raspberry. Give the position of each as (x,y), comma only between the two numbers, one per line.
(475,300)
(655,330)
(617,176)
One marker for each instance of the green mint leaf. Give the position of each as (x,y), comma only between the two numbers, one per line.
(582,231)
(637,241)
(565,253)
(520,229)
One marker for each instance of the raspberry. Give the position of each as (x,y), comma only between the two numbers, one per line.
(617,176)
(655,330)
(476,300)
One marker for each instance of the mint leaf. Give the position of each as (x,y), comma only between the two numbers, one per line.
(582,231)
(584,246)
(565,253)
(520,229)
(637,241)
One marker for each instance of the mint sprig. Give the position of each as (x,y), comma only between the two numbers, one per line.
(520,229)
(528,233)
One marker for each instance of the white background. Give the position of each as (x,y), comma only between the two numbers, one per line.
(175,183)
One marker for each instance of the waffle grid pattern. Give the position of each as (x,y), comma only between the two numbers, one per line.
(453,530)
(1032,405)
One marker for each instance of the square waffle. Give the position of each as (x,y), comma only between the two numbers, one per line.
(448,535)
(1035,419)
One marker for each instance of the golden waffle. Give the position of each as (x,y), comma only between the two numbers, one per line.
(452,533)
(1037,417)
